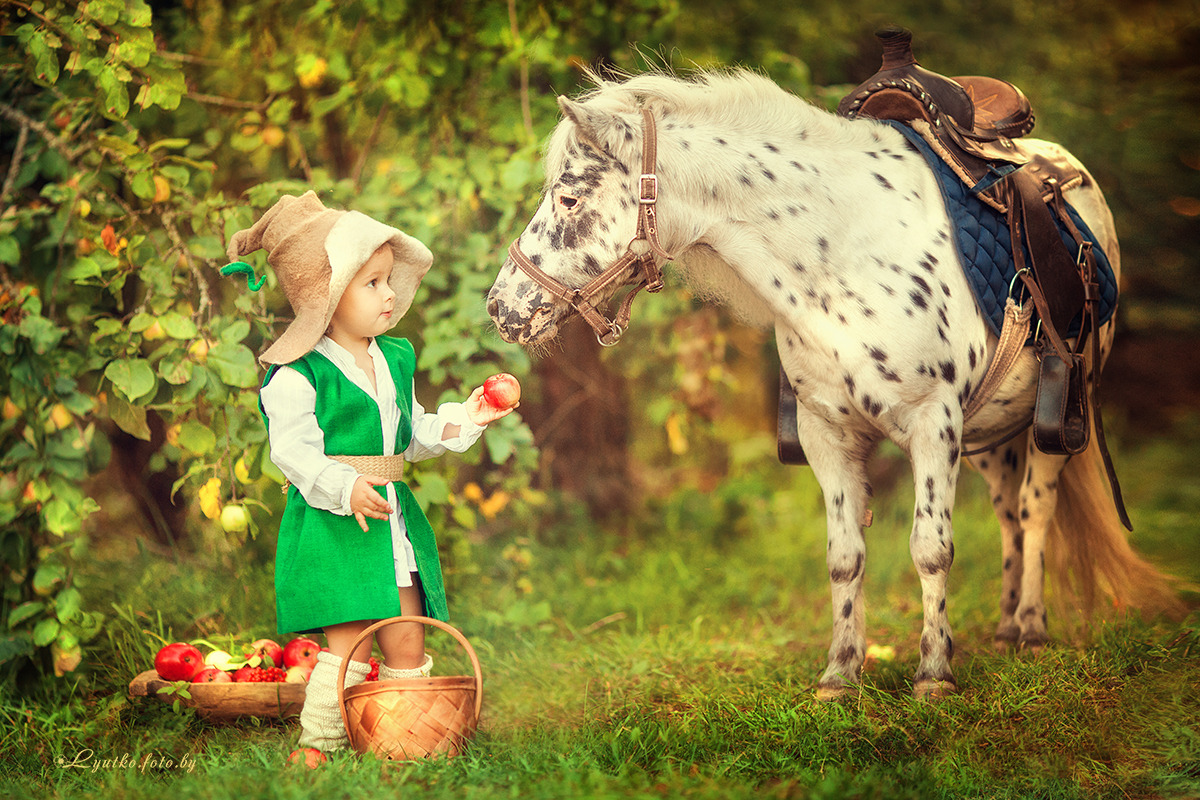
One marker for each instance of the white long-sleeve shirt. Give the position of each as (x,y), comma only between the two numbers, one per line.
(298,444)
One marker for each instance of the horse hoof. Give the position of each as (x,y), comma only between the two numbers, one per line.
(1033,644)
(828,694)
(934,690)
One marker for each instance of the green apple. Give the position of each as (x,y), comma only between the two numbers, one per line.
(218,658)
(234,519)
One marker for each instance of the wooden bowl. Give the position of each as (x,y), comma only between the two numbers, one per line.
(227,701)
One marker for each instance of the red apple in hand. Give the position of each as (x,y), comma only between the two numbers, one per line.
(212,675)
(501,391)
(178,662)
(301,652)
(267,649)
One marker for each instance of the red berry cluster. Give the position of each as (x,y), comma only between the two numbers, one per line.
(373,675)
(262,675)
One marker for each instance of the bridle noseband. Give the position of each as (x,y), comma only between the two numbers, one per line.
(643,257)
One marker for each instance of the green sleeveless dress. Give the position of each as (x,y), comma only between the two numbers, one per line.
(327,570)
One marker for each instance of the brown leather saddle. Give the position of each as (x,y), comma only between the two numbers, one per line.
(974,125)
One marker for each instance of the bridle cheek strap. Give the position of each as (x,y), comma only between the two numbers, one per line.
(645,263)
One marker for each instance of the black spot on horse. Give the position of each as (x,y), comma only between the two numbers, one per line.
(847,609)
(948,371)
(884,182)
(720,141)
(845,575)
(771,147)
(877,354)
(922,284)
(918,300)
(590,265)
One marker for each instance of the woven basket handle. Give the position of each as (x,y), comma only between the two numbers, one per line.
(462,640)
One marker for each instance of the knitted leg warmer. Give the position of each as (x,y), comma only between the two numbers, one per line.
(321,723)
(386,673)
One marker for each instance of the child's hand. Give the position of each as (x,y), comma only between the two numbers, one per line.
(480,412)
(366,502)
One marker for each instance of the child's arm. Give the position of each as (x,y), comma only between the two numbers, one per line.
(454,427)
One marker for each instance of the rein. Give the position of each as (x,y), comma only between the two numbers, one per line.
(642,253)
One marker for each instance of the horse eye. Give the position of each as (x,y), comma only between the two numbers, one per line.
(568,202)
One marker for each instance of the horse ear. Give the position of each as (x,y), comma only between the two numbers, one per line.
(601,129)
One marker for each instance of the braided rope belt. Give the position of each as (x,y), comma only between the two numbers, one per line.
(390,467)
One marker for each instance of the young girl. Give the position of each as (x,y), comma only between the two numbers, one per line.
(354,545)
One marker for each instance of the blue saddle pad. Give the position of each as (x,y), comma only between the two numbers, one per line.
(985,245)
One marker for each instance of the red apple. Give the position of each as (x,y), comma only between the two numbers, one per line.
(178,662)
(212,675)
(501,391)
(308,756)
(301,651)
(267,649)
(248,674)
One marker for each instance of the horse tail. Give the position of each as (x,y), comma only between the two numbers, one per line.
(1089,553)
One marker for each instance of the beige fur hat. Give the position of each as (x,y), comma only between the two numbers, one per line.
(315,252)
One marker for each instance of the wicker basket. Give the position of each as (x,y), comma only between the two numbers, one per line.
(411,718)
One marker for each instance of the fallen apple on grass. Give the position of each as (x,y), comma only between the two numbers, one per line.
(308,756)
(301,651)
(178,662)
(501,391)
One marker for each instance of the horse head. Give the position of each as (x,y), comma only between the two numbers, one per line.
(576,251)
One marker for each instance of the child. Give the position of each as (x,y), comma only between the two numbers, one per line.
(354,545)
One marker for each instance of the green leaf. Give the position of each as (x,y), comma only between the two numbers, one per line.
(61,517)
(24,612)
(68,604)
(143,185)
(133,376)
(12,647)
(45,632)
(128,417)
(43,334)
(47,577)
(234,364)
(178,326)
(196,438)
(10,250)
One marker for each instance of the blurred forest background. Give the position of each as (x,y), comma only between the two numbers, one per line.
(135,137)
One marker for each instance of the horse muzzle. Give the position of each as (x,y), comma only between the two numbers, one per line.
(526,318)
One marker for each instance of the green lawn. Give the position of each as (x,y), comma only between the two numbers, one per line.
(677,658)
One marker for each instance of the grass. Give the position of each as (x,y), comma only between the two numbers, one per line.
(677,658)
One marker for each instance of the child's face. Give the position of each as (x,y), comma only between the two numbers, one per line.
(365,309)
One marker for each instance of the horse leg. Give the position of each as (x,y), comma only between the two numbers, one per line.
(934,451)
(1002,467)
(838,459)
(1039,496)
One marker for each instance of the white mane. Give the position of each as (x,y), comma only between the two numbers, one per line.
(738,103)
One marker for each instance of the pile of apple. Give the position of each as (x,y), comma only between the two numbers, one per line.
(264,662)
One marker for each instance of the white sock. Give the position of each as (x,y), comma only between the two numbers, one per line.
(386,673)
(321,723)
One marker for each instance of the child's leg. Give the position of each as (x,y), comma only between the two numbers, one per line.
(321,723)
(403,644)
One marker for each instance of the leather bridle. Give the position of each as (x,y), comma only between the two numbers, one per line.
(642,253)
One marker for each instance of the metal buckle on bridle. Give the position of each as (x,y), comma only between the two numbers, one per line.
(647,197)
(615,330)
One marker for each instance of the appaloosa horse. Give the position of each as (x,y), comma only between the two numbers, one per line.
(835,233)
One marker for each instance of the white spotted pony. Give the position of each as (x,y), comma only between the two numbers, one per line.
(834,233)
